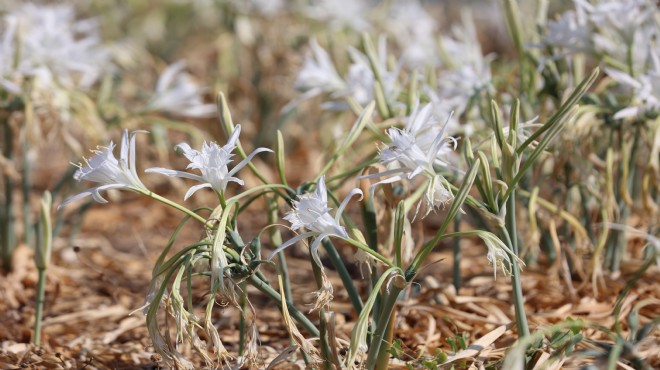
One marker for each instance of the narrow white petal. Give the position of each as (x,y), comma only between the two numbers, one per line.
(344,203)
(314,249)
(193,189)
(290,242)
(174,173)
(247,159)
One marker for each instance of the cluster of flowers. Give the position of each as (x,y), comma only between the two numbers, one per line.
(624,35)
(48,47)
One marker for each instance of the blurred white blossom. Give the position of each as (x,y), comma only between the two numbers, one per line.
(615,30)
(570,32)
(111,173)
(176,93)
(645,89)
(361,80)
(340,14)
(465,71)
(415,31)
(318,73)
(47,44)
(213,162)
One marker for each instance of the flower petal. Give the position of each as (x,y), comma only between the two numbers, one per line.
(193,189)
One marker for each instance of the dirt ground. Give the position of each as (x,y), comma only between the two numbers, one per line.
(98,280)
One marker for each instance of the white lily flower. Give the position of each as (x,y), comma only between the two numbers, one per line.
(570,32)
(111,173)
(623,16)
(311,212)
(55,47)
(418,149)
(466,70)
(318,72)
(176,93)
(213,162)
(361,79)
(415,30)
(339,14)
(645,89)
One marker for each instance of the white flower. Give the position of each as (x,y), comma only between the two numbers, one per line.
(415,30)
(213,162)
(418,149)
(645,89)
(176,93)
(111,173)
(361,79)
(311,212)
(55,47)
(340,14)
(466,70)
(318,72)
(570,32)
(622,16)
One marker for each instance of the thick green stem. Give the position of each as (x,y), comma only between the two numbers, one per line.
(345,276)
(38,315)
(8,216)
(383,361)
(511,240)
(457,256)
(387,307)
(242,325)
(265,288)
(25,186)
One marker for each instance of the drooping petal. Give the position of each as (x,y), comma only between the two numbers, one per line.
(344,203)
(193,189)
(290,242)
(174,173)
(247,159)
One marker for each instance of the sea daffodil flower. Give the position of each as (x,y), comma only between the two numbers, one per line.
(213,162)
(111,173)
(417,150)
(178,94)
(311,212)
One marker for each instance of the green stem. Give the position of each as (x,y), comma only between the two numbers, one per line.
(512,241)
(345,276)
(382,363)
(388,304)
(276,239)
(177,206)
(8,216)
(369,251)
(265,288)
(25,186)
(242,322)
(38,315)
(457,255)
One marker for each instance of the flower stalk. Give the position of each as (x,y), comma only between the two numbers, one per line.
(42,260)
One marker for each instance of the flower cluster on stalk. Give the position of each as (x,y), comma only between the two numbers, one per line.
(105,169)
(176,93)
(419,149)
(213,163)
(46,43)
